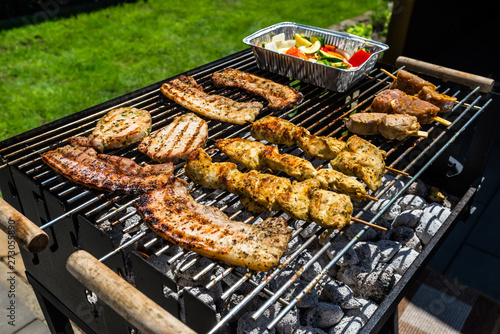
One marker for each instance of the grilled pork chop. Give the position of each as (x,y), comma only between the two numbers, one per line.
(175,216)
(279,96)
(118,128)
(83,165)
(186,92)
(177,140)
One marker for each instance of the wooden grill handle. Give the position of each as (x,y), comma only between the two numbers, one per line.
(25,232)
(121,296)
(446,74)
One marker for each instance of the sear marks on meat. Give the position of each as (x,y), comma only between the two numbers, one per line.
(410,83)
(332,179)
(391,126)
(83,165)
(444,102)
(319,147)
(248,153)
(363,160)
(275,130)
(382,102)
(291,165)
(118,128)
(175,216)
(412,105)
(186,92)
(177,140)
(296,201)
(330,210)
(279,96)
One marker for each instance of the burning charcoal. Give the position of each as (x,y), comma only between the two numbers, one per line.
(394,189)
(388,249)
(312,271)
(309,230)
(407,237)
(410,218)
(349,258)
(230,303)
(439,211)
(309,300)
(368,253)
(417,188)
(246,325)
(391,213)
(403,259)
(208,297)
(288,322)
(429,225)
(375,285)
(324,315)
(353,230)
(348,274)
(364,312)
(348,325)
(308,330)
(411,202)
(338,293)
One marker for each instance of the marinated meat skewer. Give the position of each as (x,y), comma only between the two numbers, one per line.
(391,126)
(256,156)
(279,96)
(175,216)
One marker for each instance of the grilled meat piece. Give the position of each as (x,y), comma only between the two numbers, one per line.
(382,102)
(249,153)
(279,96)
(264,188)
(175,216)
(186,92)
(442,101)
(275,130)
(106,172)
(412,105)
(329,209)
(363,160)
(296,201)
(320,147)
(177,140)
(294,166)
(410,83)
(118,128)
(332,179)
(391,126)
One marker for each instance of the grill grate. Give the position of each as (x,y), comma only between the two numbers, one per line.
(322,113)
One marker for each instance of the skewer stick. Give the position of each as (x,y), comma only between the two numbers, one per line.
(422,134)
(357,220)
(435,118)
(370,197)
(397,171)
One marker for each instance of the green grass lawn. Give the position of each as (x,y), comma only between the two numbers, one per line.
(59,67)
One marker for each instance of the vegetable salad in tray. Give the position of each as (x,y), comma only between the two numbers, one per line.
(321,57)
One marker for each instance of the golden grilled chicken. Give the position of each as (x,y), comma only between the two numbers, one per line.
(106,172)
(275,130)
(363,160)
(410,83)
(391,126)
(177,140)
(412,105)
(248,153)
(329,209)
(319,147)
(444,102)
(293,166)
(279,96)
(118,128)
(382,102)
(186,92)
(332,179)
(296,201)
(175,216)
(264,188)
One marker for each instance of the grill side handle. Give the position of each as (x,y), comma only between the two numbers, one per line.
(21,229)
(121,296)
(446,74)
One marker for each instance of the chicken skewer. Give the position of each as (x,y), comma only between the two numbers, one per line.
(367,163)
(257,156)
(412,84)
(390,126)
(264,192)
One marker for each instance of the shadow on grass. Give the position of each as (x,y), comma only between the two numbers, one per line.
(15,13)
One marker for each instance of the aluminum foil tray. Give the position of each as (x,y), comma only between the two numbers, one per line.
(321,75)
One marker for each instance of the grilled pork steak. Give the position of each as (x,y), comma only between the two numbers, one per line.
(118,128)
(175,216)
(177,140)
(279,96)
(83,165)
(186,92)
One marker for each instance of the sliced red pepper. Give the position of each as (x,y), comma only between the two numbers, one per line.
(330,48)
(359,58)
(294,51)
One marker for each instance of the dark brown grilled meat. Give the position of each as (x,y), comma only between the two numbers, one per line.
(410,83)
(175,216)
(186,92)
(83,165)
(412,105)
(275,130)
(177,140)
(279,96)
(382,102)
(391,126)
(444,102)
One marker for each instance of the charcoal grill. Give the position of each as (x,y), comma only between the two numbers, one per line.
(107,227)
